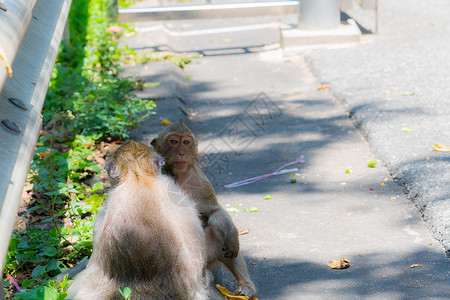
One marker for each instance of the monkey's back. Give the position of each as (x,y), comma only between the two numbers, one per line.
(148,238)
(148,242)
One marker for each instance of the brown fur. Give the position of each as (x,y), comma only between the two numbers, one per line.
(147,238)
(177,144)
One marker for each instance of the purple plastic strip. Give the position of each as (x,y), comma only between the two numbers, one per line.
(279,171)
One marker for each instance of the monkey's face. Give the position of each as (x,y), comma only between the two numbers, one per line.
(180,152)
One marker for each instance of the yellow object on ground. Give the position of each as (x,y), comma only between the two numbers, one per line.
(441,148)
(229,296)
(339,264)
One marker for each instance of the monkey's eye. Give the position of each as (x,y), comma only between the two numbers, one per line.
(187,142)
(173,142)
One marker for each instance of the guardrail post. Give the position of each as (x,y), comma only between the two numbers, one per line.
(319,14)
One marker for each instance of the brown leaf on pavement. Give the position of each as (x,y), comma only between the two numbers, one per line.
(243,231)
(340,264)
(323,86)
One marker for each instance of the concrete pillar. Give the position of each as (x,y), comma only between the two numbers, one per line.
(319,14)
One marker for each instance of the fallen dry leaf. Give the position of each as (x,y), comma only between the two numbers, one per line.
(340,264)
(243,231)
(441,148)
(229,295)
(323,86)
(165,122)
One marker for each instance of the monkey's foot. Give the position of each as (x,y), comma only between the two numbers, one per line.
(246,289)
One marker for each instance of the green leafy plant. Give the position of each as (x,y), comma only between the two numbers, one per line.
(86,95)
(126,293)
(87,104)
(126,3)
(52,290)
(180,60)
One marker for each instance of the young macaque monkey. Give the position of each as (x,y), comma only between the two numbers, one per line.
(148,237)
(177,144)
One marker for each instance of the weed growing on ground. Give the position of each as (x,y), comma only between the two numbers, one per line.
(88,111)
(89,108)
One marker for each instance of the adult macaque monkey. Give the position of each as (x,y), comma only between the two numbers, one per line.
(148,237)
(178,146)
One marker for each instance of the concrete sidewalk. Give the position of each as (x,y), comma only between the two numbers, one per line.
(254,110)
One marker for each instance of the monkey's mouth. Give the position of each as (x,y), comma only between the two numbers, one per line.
(181,162)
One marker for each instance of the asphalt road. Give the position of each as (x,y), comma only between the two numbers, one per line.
(395,88)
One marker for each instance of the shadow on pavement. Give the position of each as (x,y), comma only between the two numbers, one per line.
(374,275)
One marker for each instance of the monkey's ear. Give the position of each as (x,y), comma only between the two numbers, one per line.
(153,143)
(112,171)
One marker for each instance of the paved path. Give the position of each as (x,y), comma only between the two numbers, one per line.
(254,110)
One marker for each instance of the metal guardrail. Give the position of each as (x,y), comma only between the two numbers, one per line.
(209,11)
(30,34)
(313,14)
(14,19)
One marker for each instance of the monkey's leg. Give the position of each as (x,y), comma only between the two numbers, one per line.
(238,267)
(225,232)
